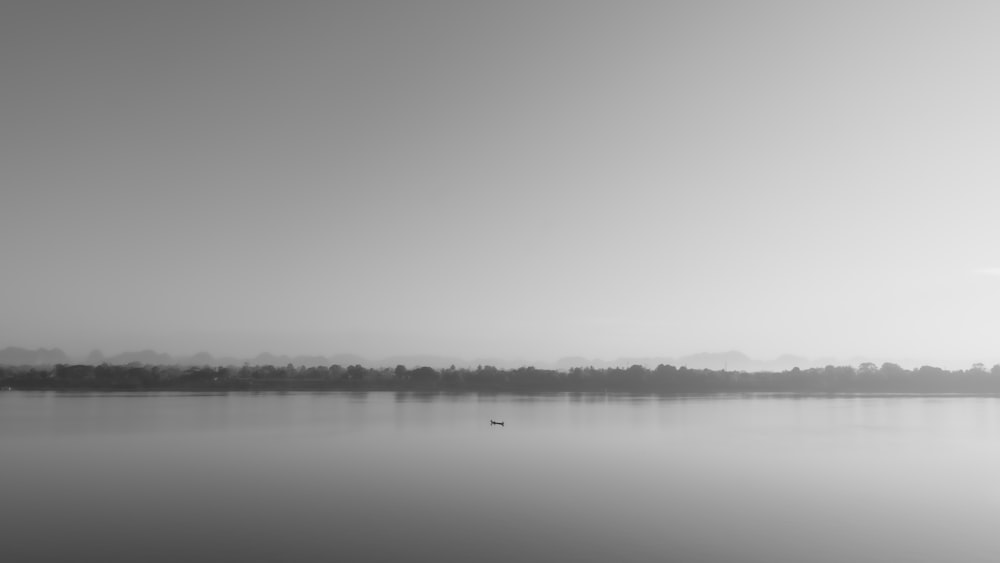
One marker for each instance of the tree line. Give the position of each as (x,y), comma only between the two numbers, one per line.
(865,378)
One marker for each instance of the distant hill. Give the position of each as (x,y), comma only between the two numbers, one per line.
(308,361)
(732,360)
(142,357)
(15,356)
(425,360)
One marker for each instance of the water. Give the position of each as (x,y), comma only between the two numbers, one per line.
(386,476)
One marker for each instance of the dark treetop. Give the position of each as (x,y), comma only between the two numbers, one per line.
(867,377)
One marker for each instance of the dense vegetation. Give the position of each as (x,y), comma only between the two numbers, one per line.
(889,378)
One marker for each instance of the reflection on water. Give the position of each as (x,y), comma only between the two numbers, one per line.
(575,477)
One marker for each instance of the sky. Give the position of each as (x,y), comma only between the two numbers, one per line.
(502,179)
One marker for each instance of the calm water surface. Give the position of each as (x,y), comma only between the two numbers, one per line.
(387,476)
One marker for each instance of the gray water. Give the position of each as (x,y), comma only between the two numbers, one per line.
(386,476)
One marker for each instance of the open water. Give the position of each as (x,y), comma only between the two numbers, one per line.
(424,477)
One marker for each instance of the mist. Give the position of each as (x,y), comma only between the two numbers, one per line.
(501,180)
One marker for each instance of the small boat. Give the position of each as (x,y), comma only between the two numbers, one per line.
(492,422)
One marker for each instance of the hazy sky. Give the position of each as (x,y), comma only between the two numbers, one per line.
(506,179)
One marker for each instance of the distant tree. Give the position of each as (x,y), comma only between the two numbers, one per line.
(891,369)
(73,373)
(931,372)
(199,374)
(356,372)
(424,375)
(867,368)
(635,374)
(452,376)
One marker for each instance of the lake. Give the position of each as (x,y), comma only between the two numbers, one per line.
(570,477)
